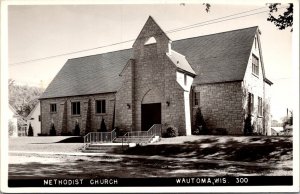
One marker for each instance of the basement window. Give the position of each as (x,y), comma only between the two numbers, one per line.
(52,108)
(75,108)
(100,106)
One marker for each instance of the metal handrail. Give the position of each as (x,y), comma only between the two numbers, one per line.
(99,137)
(154,130)
(148,135)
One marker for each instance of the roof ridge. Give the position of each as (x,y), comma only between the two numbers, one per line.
(216,33)
(172,41)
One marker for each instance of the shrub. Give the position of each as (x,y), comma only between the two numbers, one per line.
(77,129)
(121,131)
(170,131)
(200,124)
(103,126)
(52,130)
(30,130)
(11,128)
(42,134)
(220,131)
(248,127)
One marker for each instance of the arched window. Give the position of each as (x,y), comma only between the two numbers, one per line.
(150,41)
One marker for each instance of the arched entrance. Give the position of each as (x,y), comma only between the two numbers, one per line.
(150,110)
(151,114)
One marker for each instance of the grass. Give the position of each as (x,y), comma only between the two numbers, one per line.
(45,144)
(233,148)
(187,156)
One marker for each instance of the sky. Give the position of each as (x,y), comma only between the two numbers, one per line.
(38,31)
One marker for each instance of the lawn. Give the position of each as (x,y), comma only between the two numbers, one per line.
(171,157)
(44,144)
(232,148)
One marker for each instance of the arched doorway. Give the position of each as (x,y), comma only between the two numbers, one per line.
(150,110)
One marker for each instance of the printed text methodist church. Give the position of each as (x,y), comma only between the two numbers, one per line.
(160,82)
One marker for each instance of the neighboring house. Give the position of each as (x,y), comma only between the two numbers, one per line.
(34,119)
(12,122)
(276,131)
(163,82)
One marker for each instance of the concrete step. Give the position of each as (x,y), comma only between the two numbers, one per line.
(133,139)
(101,148)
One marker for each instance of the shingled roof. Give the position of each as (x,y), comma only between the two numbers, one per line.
(220,57)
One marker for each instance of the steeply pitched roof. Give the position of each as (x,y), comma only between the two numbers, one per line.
(180,62)
(32,111)
(89,75)
(220,57)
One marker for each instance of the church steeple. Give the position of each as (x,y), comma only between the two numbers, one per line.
(152,30)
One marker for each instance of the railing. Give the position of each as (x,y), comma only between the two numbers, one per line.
(142,136)
(99,137)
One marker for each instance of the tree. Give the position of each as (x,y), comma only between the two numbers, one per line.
(77,129)
(281,21)
(291,118)
(200,124)
(248,127)
(23,98)
(103,126)
(12,129)
(52,130)
(30,130)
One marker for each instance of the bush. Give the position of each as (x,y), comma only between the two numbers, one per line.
(103,126)
(220,131)
(52,130)
(11,128)
(30,130)
(42,134)
(171,131)
(120,131)
(200,124)
(248,127)
(77,129)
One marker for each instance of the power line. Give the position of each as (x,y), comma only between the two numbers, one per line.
(216,19)
(170,31)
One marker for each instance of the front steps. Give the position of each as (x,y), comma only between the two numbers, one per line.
(117,144)
(137,140)
(102,148)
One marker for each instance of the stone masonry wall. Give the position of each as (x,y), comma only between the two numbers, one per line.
(254,84)
(221,106)
(57,118)
(155,72)
(155,78)
(124,99)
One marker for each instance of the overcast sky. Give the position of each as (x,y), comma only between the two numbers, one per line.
(37,31)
